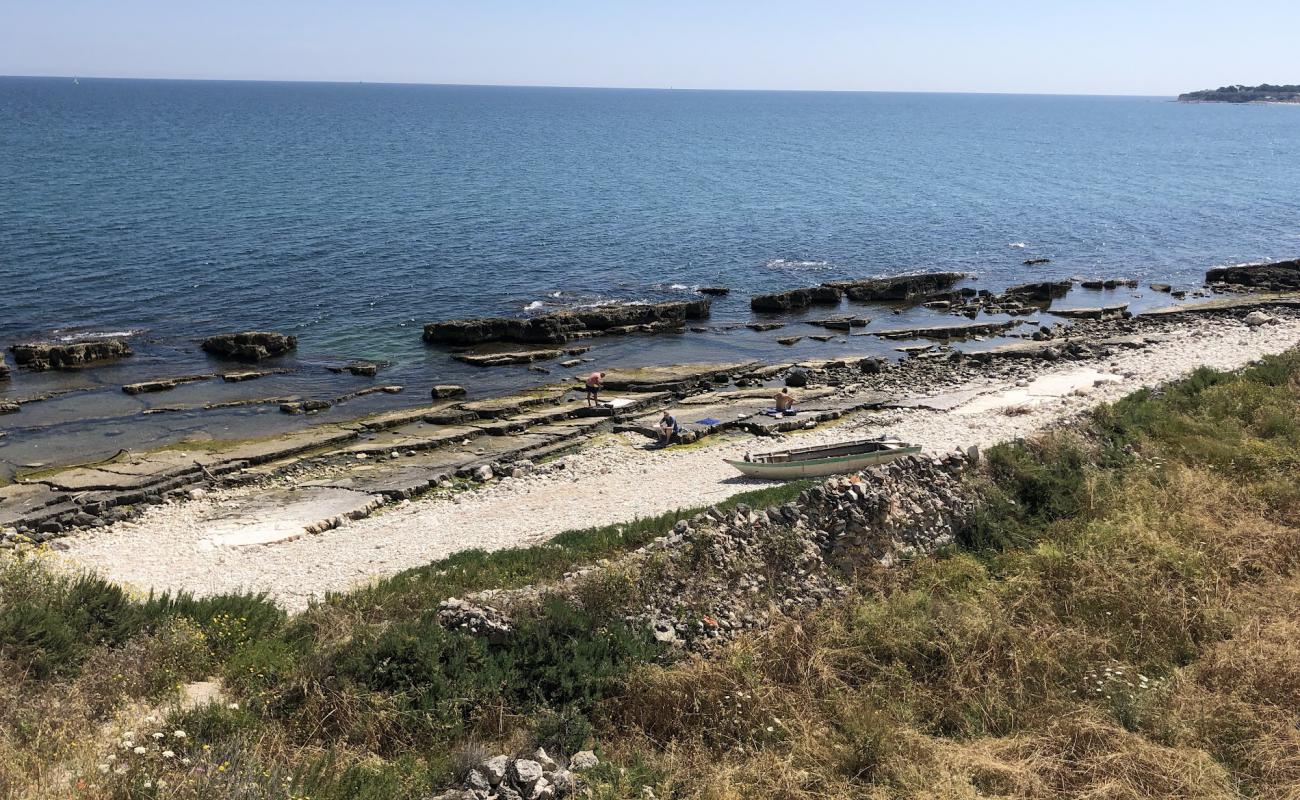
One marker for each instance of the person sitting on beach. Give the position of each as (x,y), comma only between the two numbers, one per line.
(668,428)
(784,401)
(593,388)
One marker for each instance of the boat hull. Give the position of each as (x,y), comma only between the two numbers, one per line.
(819,467)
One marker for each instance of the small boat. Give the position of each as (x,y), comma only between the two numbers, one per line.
(821,460)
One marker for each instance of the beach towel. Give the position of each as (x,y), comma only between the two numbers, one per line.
(772,412)
(707,421)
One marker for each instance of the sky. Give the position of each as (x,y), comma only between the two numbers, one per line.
(1154,47)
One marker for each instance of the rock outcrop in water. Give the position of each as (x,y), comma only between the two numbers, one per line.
(1274,275)
(1040,290)
(899,287)
(40,356)
(249,346)
(795,299)
(562,326)
(4,368)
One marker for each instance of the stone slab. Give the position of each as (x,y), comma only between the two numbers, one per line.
(509,405)
(946,401)
(282,515)
(19,501)
(672,377)
(963,330)
(1039,391)
(289,445)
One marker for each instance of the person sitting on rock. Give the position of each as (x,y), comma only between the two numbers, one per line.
(784,401)
(668,428)
(594,382)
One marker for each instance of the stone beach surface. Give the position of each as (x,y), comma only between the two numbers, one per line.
(615,478)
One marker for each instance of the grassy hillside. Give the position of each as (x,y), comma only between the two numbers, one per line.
(1119,621)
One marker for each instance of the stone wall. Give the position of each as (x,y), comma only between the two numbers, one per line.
(724,572)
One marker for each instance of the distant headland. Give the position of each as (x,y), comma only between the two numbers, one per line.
(1263,93)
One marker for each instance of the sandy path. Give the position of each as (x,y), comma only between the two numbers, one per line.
(611,480)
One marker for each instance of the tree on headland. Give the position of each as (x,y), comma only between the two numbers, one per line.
(1240,93)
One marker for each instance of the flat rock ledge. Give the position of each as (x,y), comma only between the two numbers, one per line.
(41,356)
(249,346)
(563,326)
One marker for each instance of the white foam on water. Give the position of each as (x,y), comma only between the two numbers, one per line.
(788,263)
(84,335)
(1018,245)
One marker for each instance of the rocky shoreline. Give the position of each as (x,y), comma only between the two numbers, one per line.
(287,515)
(433,446)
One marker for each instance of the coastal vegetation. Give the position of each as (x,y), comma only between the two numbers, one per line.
(1116,620)
(1237,93)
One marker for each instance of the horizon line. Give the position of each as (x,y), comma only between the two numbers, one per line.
(583,86)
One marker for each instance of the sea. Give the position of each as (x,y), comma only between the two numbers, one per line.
(352,214)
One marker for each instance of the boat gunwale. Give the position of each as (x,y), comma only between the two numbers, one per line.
(902,451)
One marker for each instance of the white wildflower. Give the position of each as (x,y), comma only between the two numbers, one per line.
(103,768)
(168,754)
(158,735)
(139,751)
(178,734)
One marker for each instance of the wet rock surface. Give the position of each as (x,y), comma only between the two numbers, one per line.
(40,356)
(1275,275)
(163,384)
(898,288)
(563,326)
(249,346)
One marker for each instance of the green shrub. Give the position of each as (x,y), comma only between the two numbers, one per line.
(230,621)
(39,639)
(100,611)
(258,666)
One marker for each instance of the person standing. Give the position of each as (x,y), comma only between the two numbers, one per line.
(594,383)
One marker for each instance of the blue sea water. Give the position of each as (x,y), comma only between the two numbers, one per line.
(349,214)
(352,214)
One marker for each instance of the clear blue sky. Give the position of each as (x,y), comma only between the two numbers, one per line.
(1081,46)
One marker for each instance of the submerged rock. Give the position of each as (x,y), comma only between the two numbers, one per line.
(162,384)
(40,356)
(503,359)
(445,390)
(249,345)
(714,291)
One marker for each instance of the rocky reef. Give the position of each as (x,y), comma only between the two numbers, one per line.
(899,288)
(563,326)
(795,299)
(40,356)
(249,346)
(1273,275)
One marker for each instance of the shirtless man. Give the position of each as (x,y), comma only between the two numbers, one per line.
(784,400)
(594,382)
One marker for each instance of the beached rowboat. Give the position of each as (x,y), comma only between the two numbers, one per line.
(831,459)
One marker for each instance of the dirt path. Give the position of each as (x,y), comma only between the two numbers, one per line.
(613,479)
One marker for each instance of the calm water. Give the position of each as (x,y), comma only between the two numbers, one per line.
(351,214)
